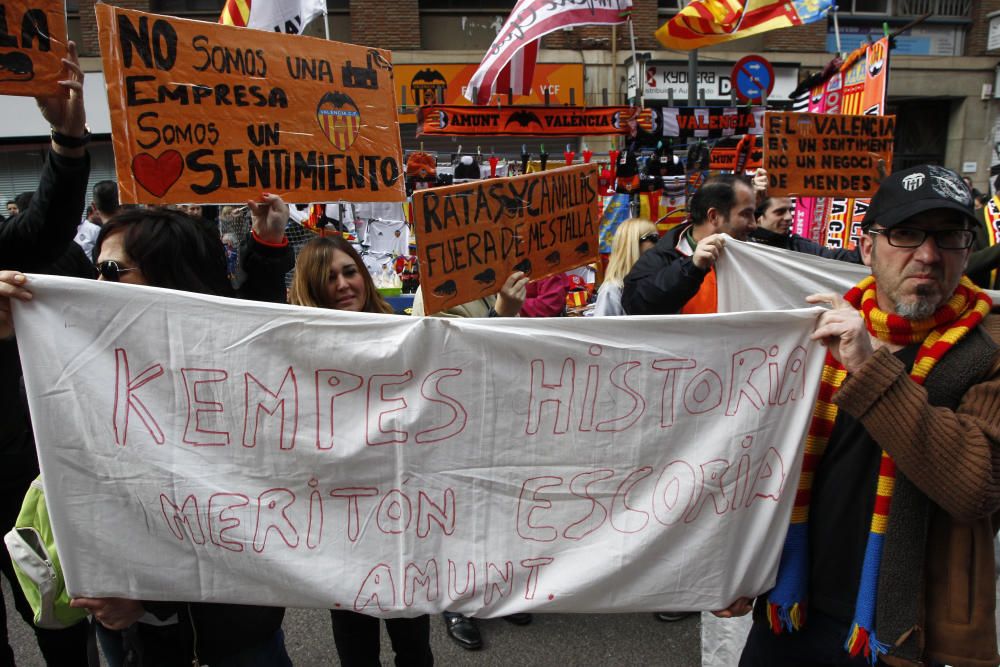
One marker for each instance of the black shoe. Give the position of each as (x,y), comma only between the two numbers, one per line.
(672,616)
(518,619)
(463,630)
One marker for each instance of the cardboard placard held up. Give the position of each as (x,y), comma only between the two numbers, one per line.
(32,46)
(212,113)
(472,236)
(823,155)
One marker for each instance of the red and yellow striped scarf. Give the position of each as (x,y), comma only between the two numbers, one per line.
(936,335)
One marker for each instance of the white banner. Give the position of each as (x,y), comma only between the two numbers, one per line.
(758,277)
(198,448)
(288,16)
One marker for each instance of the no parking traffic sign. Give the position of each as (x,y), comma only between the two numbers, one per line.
(753,78)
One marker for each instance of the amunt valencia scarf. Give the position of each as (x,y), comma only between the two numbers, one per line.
(936,335)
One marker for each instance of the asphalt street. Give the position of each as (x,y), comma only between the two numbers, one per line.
(556,640)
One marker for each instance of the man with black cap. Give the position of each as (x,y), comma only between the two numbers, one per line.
(889,555)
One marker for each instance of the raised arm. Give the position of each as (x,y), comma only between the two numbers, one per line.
(39,235)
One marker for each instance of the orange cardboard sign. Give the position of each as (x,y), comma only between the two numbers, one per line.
(474,235)
(445,84)
(32,46)
(825,155)
(212,113)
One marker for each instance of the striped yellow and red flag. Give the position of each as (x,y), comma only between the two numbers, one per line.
(316,212)
(708,22)
(235,12)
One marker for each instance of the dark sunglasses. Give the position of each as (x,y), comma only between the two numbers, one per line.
(651,237)
(111,271)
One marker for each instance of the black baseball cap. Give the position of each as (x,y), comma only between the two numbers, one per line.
(906,193)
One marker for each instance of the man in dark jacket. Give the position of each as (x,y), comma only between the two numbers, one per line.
(678,275)
(39,239)
(774,228)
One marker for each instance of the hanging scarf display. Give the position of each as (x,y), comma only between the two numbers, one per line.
(936,335)
(992,217)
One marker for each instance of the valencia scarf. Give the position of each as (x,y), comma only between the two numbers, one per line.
(936,335)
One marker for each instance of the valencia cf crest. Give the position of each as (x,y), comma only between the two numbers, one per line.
(876,58)
(339,118)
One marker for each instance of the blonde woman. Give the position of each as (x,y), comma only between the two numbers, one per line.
(329,273)
(633,237)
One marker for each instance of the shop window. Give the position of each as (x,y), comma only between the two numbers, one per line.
(947,9)
(503,6)
(187,7)
(668,7)
(870,6)
(939,8)
(919,135)
(461,24)
(73,21)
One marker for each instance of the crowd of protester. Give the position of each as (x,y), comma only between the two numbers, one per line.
(909,419)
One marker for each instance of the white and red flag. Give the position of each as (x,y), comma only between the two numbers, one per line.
(510,61)
(288,16)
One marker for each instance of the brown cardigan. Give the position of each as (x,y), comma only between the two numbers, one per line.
(953,457)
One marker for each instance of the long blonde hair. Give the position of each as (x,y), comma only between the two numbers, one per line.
(312,270)
(625,249)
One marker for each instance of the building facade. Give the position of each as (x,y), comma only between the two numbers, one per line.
(941,82)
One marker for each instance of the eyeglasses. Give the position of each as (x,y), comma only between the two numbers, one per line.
(111,270)
(651,237)
(946,239)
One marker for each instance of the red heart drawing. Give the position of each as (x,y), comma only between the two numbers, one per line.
(157,174)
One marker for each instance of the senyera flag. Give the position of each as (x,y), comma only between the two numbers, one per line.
(510,60)
(288,16)
(708,22)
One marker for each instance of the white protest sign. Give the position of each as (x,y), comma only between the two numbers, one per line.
(752,276)
(199,448)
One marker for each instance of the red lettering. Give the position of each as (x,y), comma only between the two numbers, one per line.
(198,406)
(377,585)
(375,429)
(126,401)
(272,517)
(430,389)
(343,383)
(426,578)
(254,402)
(542,392)
(624,517)
(351,494)
(530,490)
(221,519)
(180,518)
(745,363)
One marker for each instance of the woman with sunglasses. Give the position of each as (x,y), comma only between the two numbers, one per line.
(632,238)
(161,247)
(165,247)
(329,273)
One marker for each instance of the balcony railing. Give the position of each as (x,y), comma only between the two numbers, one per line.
(941,8)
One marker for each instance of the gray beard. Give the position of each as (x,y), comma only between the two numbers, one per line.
(920,309)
